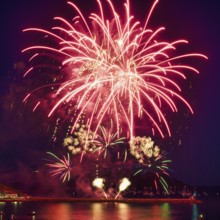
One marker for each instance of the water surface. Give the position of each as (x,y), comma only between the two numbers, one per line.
(208,210)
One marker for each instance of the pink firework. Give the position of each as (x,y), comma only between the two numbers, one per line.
(112,68)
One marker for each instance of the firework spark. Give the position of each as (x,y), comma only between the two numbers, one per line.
(60,167)
(112,68)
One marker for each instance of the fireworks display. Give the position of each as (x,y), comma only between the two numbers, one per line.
(158,168)
(107,139)
(109,75)
(125,183)
(150,160)
(60,167)
(98,182)
(82,141)
(143,147)
(110,68)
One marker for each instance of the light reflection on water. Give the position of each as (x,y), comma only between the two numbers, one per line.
(195,212)
(100,211)
(59,210)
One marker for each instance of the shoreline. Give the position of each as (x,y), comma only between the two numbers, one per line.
(124,200)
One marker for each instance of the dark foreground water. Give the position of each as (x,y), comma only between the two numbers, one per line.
(208,210)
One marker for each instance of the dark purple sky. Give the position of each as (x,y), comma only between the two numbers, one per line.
(196,152)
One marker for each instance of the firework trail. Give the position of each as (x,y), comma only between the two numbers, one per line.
(111,68)
(60,167)
(125,183)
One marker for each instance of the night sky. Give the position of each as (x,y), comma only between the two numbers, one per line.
(195,142)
